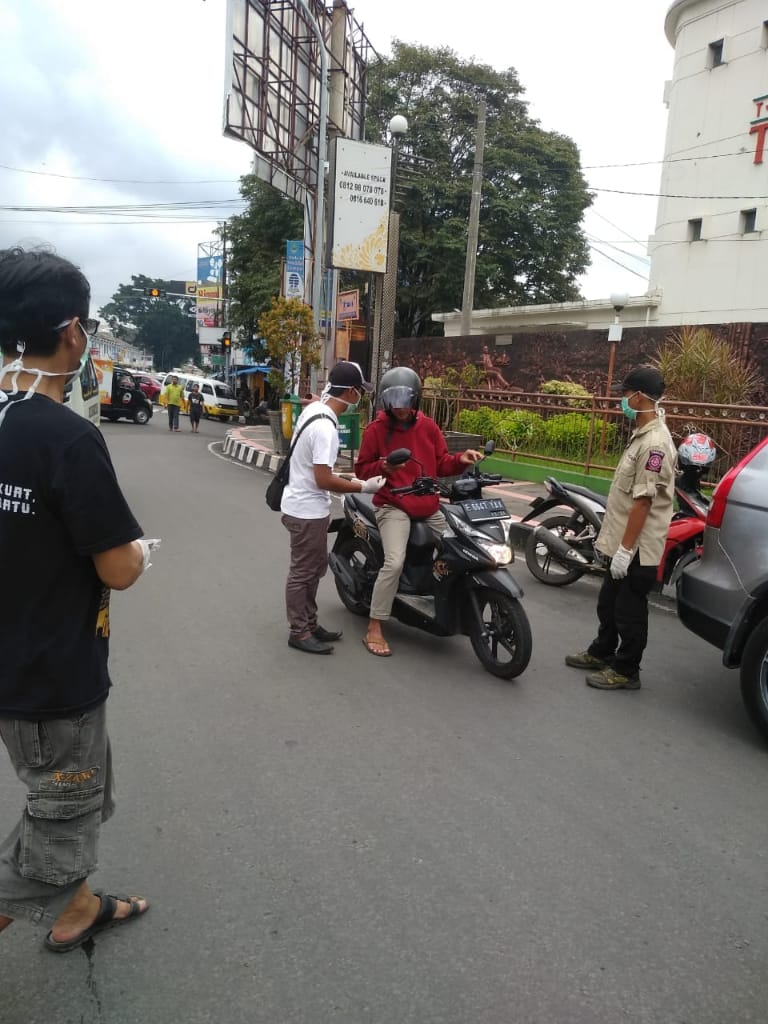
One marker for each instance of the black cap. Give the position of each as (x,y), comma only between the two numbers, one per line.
(348,375)
(643,378)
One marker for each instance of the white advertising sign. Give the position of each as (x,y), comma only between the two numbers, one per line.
(360,214)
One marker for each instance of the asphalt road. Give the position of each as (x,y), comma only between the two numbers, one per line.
(397,841)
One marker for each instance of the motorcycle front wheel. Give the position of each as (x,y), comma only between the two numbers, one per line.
(500,633)
(540,560)
(356,558)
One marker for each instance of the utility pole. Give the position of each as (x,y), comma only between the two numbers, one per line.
(473,229)
(223,305)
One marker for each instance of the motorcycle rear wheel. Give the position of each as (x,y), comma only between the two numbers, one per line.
(355,554)
(501,634)
(542,563)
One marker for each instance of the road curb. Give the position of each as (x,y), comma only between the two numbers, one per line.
(238,445)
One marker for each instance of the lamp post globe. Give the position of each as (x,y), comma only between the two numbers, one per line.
(619,300)
(398,126)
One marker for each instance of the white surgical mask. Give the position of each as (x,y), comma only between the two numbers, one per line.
(16,366)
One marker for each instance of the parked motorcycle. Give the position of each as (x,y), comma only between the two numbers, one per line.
(561,548)
(457,584)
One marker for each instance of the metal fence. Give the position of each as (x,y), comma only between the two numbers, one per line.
(588,434)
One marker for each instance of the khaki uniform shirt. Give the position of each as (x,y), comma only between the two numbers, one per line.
(647,470)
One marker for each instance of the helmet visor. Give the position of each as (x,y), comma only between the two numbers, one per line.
(398,398)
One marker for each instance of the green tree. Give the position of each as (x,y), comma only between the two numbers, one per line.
(531,246)
(165,327)
(288,330)
(256,241)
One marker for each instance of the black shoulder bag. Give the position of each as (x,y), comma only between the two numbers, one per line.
(274,493)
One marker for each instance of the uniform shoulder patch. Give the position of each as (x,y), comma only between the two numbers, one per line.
(655,461)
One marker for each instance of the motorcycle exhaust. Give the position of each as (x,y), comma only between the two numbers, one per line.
(562,550)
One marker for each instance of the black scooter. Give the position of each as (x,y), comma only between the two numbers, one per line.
(458,584)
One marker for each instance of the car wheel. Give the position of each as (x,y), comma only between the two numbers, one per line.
(141,416)
(754,677)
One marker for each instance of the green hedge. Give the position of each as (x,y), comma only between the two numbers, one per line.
(565,434)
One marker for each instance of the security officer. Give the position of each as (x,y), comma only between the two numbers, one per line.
(633,536)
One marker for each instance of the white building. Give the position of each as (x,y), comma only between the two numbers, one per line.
(710,247)
(709,250)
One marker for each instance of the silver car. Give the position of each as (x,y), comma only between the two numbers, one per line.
(724,596)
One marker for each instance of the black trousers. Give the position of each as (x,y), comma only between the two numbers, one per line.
(622,611)
(173,417)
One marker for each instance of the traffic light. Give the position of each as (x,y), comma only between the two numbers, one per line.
(154,293)
(226,341)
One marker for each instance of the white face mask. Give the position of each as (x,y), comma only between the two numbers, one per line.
(16,366)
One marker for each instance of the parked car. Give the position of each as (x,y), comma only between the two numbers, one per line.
(724,596)
(148,384)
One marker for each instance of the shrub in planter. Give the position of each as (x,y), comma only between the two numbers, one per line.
(568,433)
(568,389)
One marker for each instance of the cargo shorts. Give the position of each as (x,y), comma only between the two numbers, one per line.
(66,766)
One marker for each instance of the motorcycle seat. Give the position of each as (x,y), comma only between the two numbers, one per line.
(362,503)
(583,491)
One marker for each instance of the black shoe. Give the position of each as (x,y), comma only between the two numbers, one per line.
(310,644)
(326,636)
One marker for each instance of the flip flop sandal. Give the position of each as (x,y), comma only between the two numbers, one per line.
(104,919)
(371,645)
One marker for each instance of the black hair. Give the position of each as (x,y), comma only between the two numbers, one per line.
(38,289)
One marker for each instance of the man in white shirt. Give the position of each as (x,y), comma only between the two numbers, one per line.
(307,501)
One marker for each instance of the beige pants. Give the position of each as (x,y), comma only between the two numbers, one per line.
(395,528)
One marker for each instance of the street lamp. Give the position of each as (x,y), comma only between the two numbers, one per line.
(618,301)
(384,327)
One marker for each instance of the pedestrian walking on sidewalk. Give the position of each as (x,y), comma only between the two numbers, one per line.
(307,500)
(633,535)
(67,538)
(174,395)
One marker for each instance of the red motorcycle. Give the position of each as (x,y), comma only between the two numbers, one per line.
(561,549)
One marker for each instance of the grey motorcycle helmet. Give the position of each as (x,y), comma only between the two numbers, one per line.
(400,388)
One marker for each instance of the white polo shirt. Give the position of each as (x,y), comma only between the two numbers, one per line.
(317,446)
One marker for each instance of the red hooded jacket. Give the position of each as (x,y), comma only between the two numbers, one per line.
(427,445)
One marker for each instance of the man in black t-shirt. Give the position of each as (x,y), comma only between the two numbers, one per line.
(196,405)
(67,538)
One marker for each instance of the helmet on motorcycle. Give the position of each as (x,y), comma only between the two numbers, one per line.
(697,450)
(400,388)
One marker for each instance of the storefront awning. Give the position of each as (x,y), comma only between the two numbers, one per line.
(252,369)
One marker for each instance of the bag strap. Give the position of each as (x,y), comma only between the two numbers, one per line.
(317,416)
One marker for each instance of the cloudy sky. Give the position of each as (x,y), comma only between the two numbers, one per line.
(118,105)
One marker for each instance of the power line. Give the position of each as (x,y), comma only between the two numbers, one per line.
(603,241)
(671,195)
(642,276)
(122,181)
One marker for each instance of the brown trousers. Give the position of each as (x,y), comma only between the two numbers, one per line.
(309,563)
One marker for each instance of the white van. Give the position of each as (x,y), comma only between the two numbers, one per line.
(218,400)
(82,396)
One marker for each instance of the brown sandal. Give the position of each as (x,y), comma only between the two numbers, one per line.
(371,645)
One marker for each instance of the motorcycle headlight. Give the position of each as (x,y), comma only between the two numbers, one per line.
(501,554)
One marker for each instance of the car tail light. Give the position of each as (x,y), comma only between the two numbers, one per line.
(723,489)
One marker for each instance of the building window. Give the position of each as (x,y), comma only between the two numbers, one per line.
(694,230)
(715,54)
(748,221)
(764,39)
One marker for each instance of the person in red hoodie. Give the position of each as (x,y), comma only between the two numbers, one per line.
(399,424)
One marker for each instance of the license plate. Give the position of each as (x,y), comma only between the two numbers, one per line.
(484,509)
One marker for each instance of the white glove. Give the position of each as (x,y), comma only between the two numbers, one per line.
(370,486)
(147,547)
(620,563)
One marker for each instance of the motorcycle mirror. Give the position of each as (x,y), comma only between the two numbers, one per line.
(490,447)
(399,456)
